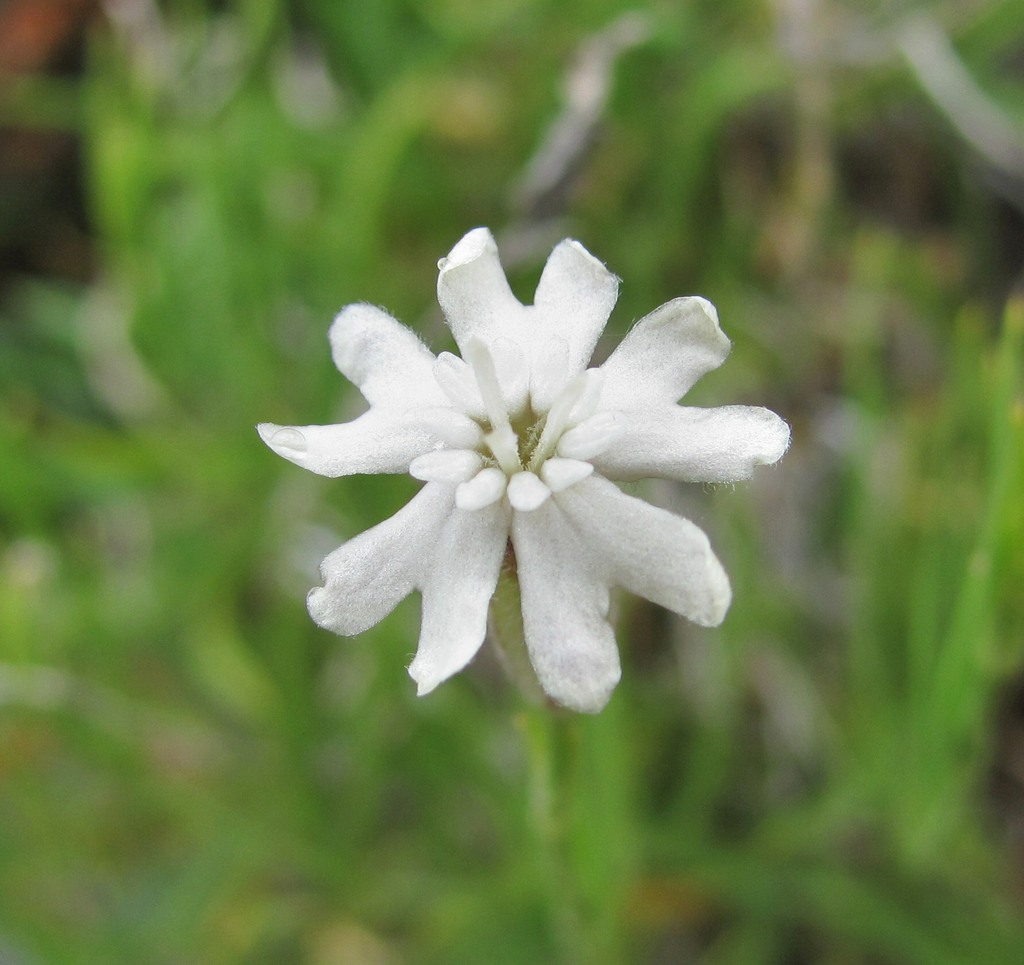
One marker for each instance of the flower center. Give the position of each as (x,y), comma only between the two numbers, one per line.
(518,451)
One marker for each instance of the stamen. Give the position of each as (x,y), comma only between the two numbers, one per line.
(505,446)
(501,439)
(479,356)
(557,420)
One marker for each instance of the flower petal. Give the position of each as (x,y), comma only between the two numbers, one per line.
(565,610)
(378,441)
(648,551)
(474,293)
(574,298)
(723,444)
(457,587)
(664,354)
(367,577)
(389,364)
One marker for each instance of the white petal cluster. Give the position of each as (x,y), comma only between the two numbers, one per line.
(519,445)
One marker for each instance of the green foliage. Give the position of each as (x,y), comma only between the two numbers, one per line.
(190,771)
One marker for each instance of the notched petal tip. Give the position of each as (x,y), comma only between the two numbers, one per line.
(366,577)
(665,353)
(474,293)
(325,613)
(425,681)
(385,359)
(316,601)
(574,297)
(429,674)
(468,248)
(336,614)
(286,441)
(572,254)
(699,319)
(778,436)
(717,596)
(762,434)
(352,328)
(432,669)
(457,580)
(710,596)
(586,692)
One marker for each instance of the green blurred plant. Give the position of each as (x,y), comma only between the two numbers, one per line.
(190,771)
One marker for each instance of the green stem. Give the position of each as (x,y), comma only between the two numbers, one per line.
(550,745)
(551,741)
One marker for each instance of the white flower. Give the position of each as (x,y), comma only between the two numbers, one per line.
(518,443)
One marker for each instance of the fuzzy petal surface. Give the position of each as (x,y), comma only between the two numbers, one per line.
(386,360)
(367,577)
(664,354)
(575,296)
(457,584)
(649,551)
(723,444)
(379,441)
(474,293)
(565,610)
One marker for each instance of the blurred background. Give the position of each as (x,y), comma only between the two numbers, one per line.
(192,772)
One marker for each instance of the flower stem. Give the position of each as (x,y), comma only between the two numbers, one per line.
(550,742)
(577,900)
